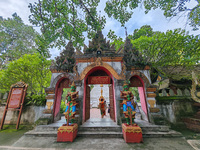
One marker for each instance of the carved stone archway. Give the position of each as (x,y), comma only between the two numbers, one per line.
(141,75)
(99,63)
(63,75)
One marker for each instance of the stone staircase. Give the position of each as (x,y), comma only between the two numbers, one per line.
(105,128)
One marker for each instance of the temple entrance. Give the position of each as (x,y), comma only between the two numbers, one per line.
(96,77)
(137,83)
(63,83)
(95,91)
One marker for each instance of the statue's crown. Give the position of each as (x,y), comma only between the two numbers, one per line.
(73,84)
(125,83)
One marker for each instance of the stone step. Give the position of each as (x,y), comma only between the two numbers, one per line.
(100,128)
(42,128)
(170,133)
(105,134)
(155,128)
(100,134)
(160,128)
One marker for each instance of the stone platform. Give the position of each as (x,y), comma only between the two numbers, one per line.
(104,128)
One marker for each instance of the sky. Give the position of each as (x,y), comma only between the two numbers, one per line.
(154,18)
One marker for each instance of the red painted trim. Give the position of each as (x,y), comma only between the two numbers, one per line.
(114,99)
(56,92)
(84,97)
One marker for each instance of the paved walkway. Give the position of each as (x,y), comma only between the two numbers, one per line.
(44,143)
(50,143)
(95,113)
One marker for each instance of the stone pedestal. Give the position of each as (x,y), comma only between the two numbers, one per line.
(67,133)
(132,134)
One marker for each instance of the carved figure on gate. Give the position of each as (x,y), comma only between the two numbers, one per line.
(102,104)
(128,104)
(70,110)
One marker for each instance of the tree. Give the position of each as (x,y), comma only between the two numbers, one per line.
(30,68)
(123,10)
(68,20)
(16,39)
(173,48)
(145,30)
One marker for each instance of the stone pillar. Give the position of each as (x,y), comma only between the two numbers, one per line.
(118,87)
(50,100)
(151,100)
(80,88)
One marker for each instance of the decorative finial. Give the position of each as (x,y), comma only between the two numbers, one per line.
(126,32)
(101,89)
(73,84)
(125,83)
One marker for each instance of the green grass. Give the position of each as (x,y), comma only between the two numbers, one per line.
(9,135)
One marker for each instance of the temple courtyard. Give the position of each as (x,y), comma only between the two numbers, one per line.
(10,139)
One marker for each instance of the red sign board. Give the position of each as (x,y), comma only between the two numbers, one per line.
(99,80)
(16,97)
(15,101)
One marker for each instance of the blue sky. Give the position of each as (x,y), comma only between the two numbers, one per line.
(154,18)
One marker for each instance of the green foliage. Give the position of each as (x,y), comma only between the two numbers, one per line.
(123,10)
(120,10)
(65,92)
(36,100)
(32,69)
(117,41)
(145,30)
(62,106)
(69,20)
(16,39)
(134,90)
(170,48)
(91,87)
(66,20)
(177,8)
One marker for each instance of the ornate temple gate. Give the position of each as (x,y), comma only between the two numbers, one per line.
(136,81)
(63,83)
(102,78)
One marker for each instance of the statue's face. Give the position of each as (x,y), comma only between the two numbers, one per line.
(73,88)
(126,87)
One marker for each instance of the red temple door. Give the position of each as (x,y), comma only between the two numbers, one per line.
(87,103)
(111,97)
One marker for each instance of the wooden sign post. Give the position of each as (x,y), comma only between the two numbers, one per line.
(15,101)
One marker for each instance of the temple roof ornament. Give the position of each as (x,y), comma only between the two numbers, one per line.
(99,43)
(132,57)
(66,61)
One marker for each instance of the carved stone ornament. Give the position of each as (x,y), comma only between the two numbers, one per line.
(49,104)
(194,93)
(97,63)
(123,72)
(141,75)
(20,84)
(76,74)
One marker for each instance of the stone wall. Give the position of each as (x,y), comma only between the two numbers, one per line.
(30,115)
(174,109)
